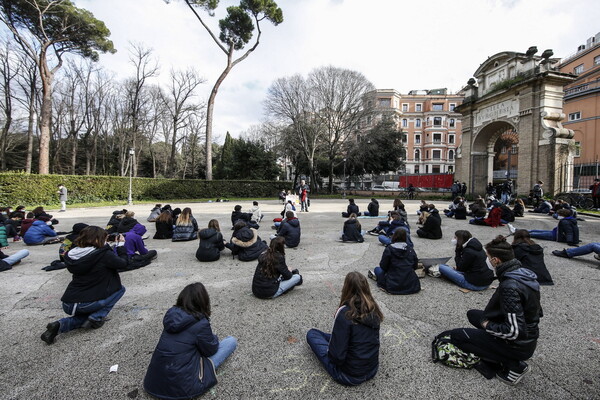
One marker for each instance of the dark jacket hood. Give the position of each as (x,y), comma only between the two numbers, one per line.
(433,211)
(534,249)
(295,222)
(177,320)
(207,233)
(139,229)
(370,320)
(77,228)
(351,221)
(398,247)
(79,260)
(524,276)
(474,244)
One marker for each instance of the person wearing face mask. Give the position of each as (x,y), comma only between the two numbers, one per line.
(471,270)
(40,232)
(566,231)
(506,332)
(432,228)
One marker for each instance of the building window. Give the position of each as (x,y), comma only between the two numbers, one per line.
(452,106)
(597,60)
(436,154)
(418,123)
(417,155)
(404,122)
(450,169)
(417,139)
(450,139)
(437,138)
(419,107)
(435,169)
(437,121)
(437,107)
(451,155)
(578,69)
(427,169)
(404,138)
(404,107)
(514,149)
(575,116)
(452,123)
(416,169)
(427,154)
(578,148)
(385,102)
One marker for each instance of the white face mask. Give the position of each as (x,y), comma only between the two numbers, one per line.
(453,241)
(49,223)
(489,264)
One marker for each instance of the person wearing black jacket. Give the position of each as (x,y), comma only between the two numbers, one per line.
(352,230)
(350,354)
(507,330)
(237,215)
(396,271)
(352,209)
(373,208)
(519,208)
(273,277)
(471,271)
(290,230)
(432,228)
(566,231)
(127,222)
(95,287)
(211,242)
(460,212)
(164,226)
(531,256)
(245,242)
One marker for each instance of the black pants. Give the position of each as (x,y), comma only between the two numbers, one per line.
(596,201)
(11,230)
(346,215)
(489,348)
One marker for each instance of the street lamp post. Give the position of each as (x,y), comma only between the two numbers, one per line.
(344,178)
(130,197)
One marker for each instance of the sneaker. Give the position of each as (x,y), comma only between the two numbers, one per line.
(561,253)
(373,232)
(17,238)
(51,332)
(511,229)
(92,324)
(371,275)
(299,283)
(597,257)
(513,377)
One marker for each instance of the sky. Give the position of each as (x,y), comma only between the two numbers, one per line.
(396,44)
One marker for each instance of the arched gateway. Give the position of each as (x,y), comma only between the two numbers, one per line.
(511,124)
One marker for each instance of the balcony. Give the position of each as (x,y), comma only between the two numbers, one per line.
(583,89)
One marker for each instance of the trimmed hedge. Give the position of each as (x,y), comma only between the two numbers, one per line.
(33,190)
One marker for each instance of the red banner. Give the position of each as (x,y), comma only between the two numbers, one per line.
(433,181)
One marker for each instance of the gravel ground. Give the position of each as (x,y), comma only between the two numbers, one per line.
(273,360)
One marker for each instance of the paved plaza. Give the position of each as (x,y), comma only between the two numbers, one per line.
(273,360)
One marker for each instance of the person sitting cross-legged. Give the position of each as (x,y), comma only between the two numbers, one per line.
(273,277)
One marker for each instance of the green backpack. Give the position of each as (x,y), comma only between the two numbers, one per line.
(445,352)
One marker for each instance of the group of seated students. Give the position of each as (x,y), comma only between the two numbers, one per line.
(505,335)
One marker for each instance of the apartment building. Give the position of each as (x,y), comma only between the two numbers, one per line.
(431,128)
(582,100)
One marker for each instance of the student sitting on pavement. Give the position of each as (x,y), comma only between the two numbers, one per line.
(542,208)
(396,271)
(188,353)
(566,231)
(238,215)
(506,332)
(449,212)
(164,226)
(245,242)
(211,242)
(579,251)
(531,256)
(494,218)
(385,235)
(41,233)
(350,353)
(186,227)
(352,230)
(273,277)
(460,212)
(352,209)
(127,222)
(7,262)
(471,270)
(134,244)
(256,212)
(373,208)
(154,213)
(432,228)
(290,230)
(519,208)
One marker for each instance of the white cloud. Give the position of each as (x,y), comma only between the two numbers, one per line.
(396,44)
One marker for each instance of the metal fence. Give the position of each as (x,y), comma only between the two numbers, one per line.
(583,175)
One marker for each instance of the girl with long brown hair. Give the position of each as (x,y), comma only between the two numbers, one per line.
(211,242)
(164,226)
(350,354)
(273,277)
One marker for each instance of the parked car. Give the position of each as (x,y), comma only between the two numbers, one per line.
(382,188)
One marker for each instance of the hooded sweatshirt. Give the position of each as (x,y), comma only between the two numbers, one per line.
(38,231)
(180,367)
(352,231)
(470,259)
(373,208)
(290,230)
(134,242)
(211,244)
(531,257)
(95,275)
(399,261)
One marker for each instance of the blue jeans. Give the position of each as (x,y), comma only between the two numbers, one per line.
(284,286)
(380,274)
(578,251)
(505,197)
(226,348)
(540,234)
(15,258)
(458,278)
(95,310)
(319,344)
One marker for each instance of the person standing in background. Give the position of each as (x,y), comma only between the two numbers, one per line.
(62,196)
(302,191)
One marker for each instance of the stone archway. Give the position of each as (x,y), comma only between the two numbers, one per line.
(519,93)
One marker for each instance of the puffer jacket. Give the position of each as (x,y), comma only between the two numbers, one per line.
(290,231)
(180,367)
(352,231)
(186,232)
(470,259)
(514,310)
(531,257)
(399,261)
(3,237)
(246,244)
(211,244)
(38,231)
(568,231)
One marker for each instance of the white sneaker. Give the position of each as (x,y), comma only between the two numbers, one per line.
(511,229)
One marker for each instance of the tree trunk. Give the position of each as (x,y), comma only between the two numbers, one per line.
(331,175)
(30,128)
(46,119)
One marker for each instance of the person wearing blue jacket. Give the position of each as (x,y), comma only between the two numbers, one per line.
(350,353)
(187,355)
(396,271)
(290,230)
(40,233)
(566,231)
(396,223)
